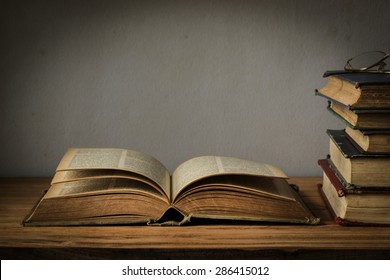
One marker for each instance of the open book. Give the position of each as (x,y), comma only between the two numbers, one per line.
(118,186)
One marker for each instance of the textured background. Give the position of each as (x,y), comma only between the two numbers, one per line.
(175,79)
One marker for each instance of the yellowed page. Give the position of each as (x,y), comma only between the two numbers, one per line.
(266,186)
(105,186)
(120,159)
(102,185)
(87,174)
(206,166)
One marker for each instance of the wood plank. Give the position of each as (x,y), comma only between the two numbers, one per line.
(18,195)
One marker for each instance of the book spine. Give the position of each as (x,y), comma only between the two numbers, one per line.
(340,188)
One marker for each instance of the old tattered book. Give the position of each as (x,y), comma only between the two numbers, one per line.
(356,167)
(360,91)
(118,186)
(354,205)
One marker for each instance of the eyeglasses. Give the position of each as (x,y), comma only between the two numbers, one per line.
(371,62)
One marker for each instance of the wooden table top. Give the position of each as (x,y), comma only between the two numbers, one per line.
(326,240)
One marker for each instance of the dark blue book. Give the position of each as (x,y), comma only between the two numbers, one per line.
(357,91)
(356,167)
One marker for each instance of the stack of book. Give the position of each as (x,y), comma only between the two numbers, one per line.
(356,181)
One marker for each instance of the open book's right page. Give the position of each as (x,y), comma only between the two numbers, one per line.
(206,166)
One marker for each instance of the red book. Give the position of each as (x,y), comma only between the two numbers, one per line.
(365,208)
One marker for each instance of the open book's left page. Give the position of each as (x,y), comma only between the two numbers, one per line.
(115,163)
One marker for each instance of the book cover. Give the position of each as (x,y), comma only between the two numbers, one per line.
(348,149)
(342,221)
(357,90)
(357,168)
(369,141)
(342,187)
(367,119)
(353,209)
(359,78)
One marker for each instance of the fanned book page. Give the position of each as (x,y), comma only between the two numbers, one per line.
(118,186)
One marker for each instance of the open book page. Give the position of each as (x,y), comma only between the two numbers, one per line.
(206,166)
(120,159)
(87,174)
(266,186)
(105,185)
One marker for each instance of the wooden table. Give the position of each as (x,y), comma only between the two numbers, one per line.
(325,241)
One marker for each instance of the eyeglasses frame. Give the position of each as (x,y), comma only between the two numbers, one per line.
(380,63)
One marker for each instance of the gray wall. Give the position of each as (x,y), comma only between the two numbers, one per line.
(175,79)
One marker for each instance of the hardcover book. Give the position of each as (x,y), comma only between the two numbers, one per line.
(344,188)
(354,209)
(370,141)
(378,119)
(356,167)
(357,90)
(118,186)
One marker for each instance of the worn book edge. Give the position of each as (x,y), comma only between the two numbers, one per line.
(342,187)
(173,216)
(359,79)
(341,221)
(357,126)
(347,148)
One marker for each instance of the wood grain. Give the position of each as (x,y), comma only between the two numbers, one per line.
(18,196)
